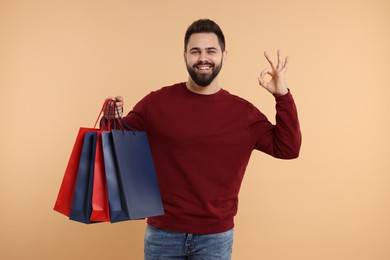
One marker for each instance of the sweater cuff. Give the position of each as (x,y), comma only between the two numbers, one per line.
(284,98)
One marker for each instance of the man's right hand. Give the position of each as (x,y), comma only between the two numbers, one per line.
(119,104)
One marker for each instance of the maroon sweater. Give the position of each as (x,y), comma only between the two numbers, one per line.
(201,145)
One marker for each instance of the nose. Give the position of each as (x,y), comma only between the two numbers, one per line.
(203,56)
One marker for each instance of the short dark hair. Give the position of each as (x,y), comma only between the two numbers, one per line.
(204,26)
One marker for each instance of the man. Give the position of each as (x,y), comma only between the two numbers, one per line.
(201,138)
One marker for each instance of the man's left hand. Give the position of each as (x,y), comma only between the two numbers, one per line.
(277,85)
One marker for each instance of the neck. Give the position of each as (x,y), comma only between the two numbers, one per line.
(207,90)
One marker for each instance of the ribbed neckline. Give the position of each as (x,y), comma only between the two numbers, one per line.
(217,94)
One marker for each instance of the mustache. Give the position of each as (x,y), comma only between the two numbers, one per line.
(204,63)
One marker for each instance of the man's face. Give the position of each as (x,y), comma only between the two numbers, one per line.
(203,58)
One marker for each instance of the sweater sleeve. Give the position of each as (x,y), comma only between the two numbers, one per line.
(136,118)
(282,140)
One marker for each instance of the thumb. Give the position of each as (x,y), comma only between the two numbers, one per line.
(262,81)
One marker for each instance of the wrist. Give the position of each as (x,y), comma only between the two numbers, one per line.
(281,93)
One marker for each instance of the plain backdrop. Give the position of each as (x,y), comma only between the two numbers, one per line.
(59,60)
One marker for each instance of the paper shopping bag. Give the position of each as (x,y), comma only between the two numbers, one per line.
(100,207)
(82,197)
(118,208)
(64,200)
(137,174)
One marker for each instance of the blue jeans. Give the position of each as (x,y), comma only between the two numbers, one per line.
(163,244)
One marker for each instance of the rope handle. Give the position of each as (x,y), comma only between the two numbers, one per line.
(104,107)
(108,107)
(121,122)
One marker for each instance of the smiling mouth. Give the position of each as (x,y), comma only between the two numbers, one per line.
(203,67)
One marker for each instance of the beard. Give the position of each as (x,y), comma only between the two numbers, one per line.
(203,79)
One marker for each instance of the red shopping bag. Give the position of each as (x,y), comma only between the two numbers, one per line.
(63,204)
(100,207)
(65,195)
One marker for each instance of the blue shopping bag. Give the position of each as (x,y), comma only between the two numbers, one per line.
(137,175)
(82,197)
(118,208)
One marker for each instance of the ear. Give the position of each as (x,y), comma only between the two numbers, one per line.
(224,55)
(184,55)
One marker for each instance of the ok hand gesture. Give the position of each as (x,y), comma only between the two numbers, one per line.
(277,85)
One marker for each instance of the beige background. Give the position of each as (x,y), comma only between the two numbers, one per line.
(60,59)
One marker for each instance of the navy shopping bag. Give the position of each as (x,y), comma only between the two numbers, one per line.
(82,197)
(118,208)
(137,175)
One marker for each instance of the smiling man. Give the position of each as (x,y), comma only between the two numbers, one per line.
(201,138)
(204,57)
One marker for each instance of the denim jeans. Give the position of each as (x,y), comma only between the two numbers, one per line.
(163,244)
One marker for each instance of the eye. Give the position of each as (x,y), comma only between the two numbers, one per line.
(211,51)
(194,52)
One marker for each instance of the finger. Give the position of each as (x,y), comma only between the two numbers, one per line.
(111,112)
(285,66)
(280,62)
(269,59)
(118,115)
(119,104)
(262,82)
(119,112)
(118,109)
(118,101)
(265,72)
(261,79)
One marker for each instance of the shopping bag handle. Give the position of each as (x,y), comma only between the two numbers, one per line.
(106,108)
(101,111)
(121,122)
(118,122)
(109,105)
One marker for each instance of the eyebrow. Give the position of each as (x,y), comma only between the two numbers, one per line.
(207,49)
